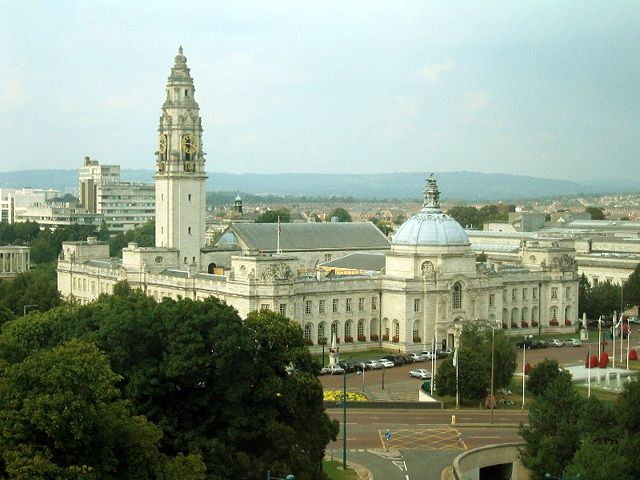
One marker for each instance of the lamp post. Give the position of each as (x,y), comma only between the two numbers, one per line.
(524,364)
(344,421)
(493,362)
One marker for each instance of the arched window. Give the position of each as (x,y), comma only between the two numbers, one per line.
(347,329)
(534,314)
(416,331)
(361,337)
(567,313)
(322,336)
(211,267)
(457,295)
(334,329)
(307,332)
(524,316)
(514,315)
(396,329)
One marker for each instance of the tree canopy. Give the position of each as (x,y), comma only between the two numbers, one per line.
(597,213)
(271,216)
(212,385)
(341,214)
(474,369)
(476,217)
(601,299)
(632,288)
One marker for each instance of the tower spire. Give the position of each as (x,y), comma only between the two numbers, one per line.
(431,193)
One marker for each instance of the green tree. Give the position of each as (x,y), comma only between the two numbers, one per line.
(597,213)
(542,375)
(216,385)
(632,289)
(60,417)
(474,357)
(36,287)
(382,225)
(584,295)
(271,216)
(341,214)
(144,235)
(552,435)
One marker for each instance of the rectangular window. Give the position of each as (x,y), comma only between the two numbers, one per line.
(307,307)
(374,303)
(416,304)
(189,197)
(264,307)
(327,257)
(504,296)
(189,230)
(554,292)
(361,304)
(567,293)
(335,305)
(524,293)
(348,306)
(321,306)
(492,299)
(283,309)
(535,293)
(514,294)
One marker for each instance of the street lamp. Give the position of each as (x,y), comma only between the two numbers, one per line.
(524,364)
(493,361)
(288,477)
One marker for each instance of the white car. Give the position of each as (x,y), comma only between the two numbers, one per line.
(372,365)
(556,343)
(573,342)
(386,363)
(417,357)
(332,370)
(420,373)
(428,355)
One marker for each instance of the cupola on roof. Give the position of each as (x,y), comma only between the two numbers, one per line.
(431,226)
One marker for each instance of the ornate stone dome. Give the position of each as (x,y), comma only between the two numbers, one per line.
(430,226)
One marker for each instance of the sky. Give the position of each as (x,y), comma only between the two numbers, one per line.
(548,89)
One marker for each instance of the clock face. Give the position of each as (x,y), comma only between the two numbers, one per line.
(162,143)
(189,144)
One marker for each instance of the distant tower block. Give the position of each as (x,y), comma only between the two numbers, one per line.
(180,174)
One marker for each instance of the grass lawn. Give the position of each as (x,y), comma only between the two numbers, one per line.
(334,470)
(372,354)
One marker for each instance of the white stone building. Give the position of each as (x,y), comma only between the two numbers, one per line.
(429,282)
(13,260)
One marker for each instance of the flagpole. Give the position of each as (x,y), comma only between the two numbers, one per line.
(455,359)
(278,238)
(524,359)
(628,340)
(613,332)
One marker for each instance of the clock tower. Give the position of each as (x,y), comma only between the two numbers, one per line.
(180,176)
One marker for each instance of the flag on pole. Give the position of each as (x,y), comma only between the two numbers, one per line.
(455,357)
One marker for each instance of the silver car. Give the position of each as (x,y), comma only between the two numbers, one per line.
(420,373)
(372,365)
(332,370)
(554,342)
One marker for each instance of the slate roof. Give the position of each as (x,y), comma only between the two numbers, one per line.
(262,237)
(358,261)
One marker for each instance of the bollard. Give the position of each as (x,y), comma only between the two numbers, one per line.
(453,419)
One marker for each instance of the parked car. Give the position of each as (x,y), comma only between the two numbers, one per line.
(408,358)
(444,353)
(347,366)
(428,355)
(554,342)
(417,357)
(373,365)
(332,370)
(573,342)
(386,363)
(396,359)
(420,373)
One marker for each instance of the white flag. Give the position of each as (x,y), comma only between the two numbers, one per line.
(455,357)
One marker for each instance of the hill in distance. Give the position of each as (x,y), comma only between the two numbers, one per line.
(469,186)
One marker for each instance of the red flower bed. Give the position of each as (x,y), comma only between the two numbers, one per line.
(567,322)
(633,355)
(514,325)
(374,337)
(348,339)
(525,325)
(307,341)
(553,323)
(534,324)
(362,338)
(604,360)
(385,338)
(395,339)
(504,326)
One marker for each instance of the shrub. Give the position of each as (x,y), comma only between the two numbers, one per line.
(308,342)
(504,326)
(592,362)
(604,360)
(374,337)
(534,324)
(633,355)
(567,322)
(362,338)
(395,339)
(348,339)
(385,338)
(554,323)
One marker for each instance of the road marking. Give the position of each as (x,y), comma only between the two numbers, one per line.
(402,465)
(470,436)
